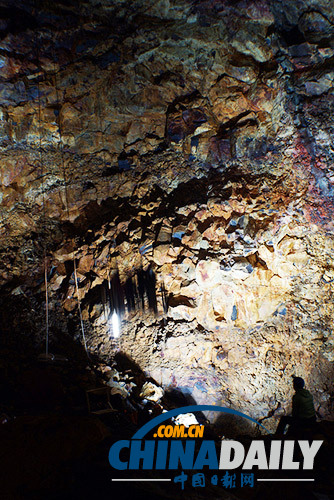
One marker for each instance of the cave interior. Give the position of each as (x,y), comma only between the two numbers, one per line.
(166,229)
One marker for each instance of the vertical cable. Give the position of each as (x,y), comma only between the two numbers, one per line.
(44,210)
(46,310)
(79,307)
(67,204)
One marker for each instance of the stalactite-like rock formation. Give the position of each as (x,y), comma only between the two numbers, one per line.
(194,139)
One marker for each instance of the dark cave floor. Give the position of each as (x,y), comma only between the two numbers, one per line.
(52,447)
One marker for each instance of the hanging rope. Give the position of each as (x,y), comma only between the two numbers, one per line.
(67,204)
(46,310)
(44,210)
(79,307)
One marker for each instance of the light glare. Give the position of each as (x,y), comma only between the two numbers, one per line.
(115,324)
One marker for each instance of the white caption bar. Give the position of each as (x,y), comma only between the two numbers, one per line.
(285,479)
(141,479)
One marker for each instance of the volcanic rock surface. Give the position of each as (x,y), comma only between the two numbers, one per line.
(192,137)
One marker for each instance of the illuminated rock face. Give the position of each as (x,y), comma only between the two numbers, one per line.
(193,138)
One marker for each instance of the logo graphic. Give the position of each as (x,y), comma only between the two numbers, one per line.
(176,447)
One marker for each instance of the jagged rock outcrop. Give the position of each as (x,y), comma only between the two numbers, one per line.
(195,138)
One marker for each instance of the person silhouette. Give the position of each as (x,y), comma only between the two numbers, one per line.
(303,412)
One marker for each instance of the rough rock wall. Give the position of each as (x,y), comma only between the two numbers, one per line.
(200,132)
